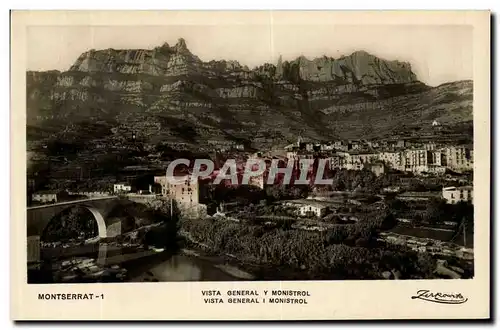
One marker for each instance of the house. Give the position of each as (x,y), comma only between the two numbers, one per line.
(92,194)
(47,196)
(436,169)
(340,145)
(391,189)
(121,188)
(258,181)
(353,145)
(377,168)
(339,160)
(313,208)
(297,155)
(455,195)
(401,144)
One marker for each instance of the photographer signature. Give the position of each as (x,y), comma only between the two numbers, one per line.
(440,297)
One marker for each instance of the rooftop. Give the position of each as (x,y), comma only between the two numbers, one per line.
(458,188)
(315,204)
(420,194)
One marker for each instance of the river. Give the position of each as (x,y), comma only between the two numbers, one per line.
(97,262)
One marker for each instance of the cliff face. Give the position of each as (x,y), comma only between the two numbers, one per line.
(167,91)
(357,68)
(161,61)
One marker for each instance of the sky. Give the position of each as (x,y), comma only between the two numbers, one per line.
(437,53)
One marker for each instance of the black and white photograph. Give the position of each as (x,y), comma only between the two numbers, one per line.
(250,165)
(186,153)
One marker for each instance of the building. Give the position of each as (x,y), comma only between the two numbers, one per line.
(435,169)
(430,146)
(377,168)
(455,195)
(121,188)
(435,157)
(47,196)
(317,210)
(372,144)
(340,145)
(91,194)
(258,181)
(459,158)
(338,160)
(186,194)
(357,161)
(299,154)
(162,181)
(392,159)
(354,145)
(327,147)
(391,189)
(415,160)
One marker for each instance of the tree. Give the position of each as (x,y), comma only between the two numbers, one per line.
(436,211)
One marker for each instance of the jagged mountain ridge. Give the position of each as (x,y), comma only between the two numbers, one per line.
(168,93)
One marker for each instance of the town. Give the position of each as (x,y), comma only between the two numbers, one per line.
(424,188)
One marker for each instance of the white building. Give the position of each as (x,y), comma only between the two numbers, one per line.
(121,187)
(459,157)
(416,160)
(357,161)
(45,197)
(297,155)
(316,209)
(455,195)
(339,160)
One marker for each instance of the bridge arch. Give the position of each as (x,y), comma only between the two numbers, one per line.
(39,217)
(99,218)
(95,220)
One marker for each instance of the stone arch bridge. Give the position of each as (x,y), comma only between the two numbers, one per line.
(38,217)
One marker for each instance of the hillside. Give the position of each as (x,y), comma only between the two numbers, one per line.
(168,95)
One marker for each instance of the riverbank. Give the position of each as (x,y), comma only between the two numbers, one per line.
(242,269)
(347,253)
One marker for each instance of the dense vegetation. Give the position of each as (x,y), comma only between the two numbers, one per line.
(346,252)
(433,212)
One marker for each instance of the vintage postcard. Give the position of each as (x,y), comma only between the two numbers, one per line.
(259,165)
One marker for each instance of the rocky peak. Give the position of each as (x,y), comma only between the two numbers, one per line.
(362,53)
(180,46)
(360,67)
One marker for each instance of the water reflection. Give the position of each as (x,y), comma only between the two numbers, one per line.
(177,268)
(141,265)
